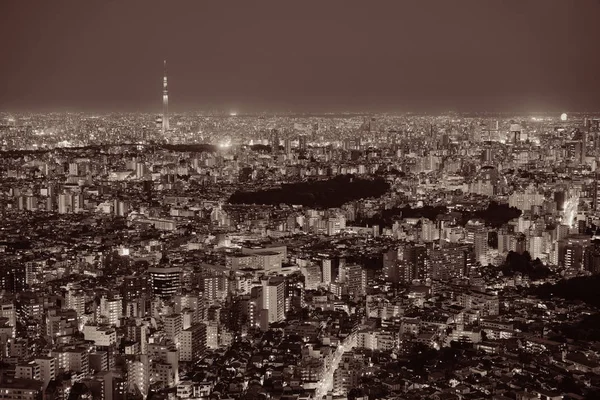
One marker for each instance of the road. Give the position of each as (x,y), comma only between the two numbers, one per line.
(325,384)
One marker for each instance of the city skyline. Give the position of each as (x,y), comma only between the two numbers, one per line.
(277,200)
(388,57)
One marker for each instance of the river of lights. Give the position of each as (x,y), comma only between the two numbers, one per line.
(570,212)
(325,384)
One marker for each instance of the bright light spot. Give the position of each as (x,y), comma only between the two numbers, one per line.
(64,143)
(233,113)
(563,117)
(570,212)
(224,145)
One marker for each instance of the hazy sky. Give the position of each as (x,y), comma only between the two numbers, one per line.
(250,55)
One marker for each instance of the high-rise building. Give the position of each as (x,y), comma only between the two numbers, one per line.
(451,262)
(330,270)
(212,335)
(355,279)
(192,342)
(275,141)
(165,117)
(138,375)
(65,203)
(173,326)
(47,369)
(273,299)
(575,151)
(302,143)
(165,280)
(416,257)
(8,311)
(480,241)
(313,276)
(525,200)
(574,252)
(75,300)
(596,192)
(111,309)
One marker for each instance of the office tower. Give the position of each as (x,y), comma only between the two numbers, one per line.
(429,231)
(594,257)
(13,278)
(330,270)
(165,280)
(120,208)
(273,300)
(450,262)
(78,202)
(575,151)
(595,193)
(65,203)
(560,199)
(574,252)
(165,117)
(535,246)
(288,146)
(73,169)
(134,287)
(515,133)
(140,170)
(481,244)
(192,342)
(416,258)
(215,286)
(390,261)
(302,143)
(355,278)
(313,276)
(275,141)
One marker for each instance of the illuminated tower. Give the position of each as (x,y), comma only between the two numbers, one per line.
(165,118)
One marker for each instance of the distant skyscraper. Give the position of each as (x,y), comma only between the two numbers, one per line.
(302,143)
(275,141)
(165,118)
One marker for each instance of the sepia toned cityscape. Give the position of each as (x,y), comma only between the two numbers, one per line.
(179,219)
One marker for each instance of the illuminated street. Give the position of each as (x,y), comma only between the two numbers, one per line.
(325,385)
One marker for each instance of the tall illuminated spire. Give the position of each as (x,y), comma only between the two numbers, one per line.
(165,118)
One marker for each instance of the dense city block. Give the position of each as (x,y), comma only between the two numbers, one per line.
(292,257)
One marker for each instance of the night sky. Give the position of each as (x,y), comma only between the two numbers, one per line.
(323,55)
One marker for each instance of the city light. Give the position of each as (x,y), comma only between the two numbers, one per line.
(286,211)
